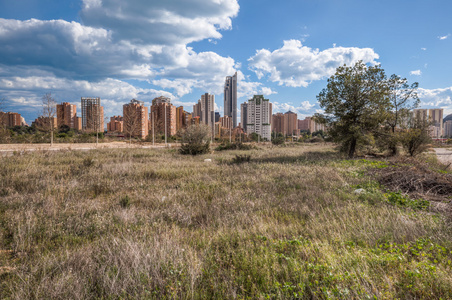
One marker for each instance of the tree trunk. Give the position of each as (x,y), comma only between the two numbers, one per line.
(51,137)
(352,149)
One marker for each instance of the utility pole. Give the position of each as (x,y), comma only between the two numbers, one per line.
(97,125)
(165,127)
(153,125)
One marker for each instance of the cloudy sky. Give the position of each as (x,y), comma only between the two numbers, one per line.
(119,50)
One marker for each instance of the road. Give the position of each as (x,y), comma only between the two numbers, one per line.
(444,155)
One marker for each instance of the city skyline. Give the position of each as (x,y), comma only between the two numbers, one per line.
(105,49)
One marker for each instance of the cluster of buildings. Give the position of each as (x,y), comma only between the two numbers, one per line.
(164,118)
(11,119)
(439,126)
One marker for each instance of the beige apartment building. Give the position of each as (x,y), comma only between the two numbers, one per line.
(116,124)
(135,119)
(163,112)
(66,115)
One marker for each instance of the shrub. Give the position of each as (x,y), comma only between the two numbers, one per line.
(234,146)
(280,140)
(400,200)
(196,140)
(238,159)
(88,162)
(124,202)
(316,139)
(415,141)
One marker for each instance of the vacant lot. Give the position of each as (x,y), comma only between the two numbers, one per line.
(294,222)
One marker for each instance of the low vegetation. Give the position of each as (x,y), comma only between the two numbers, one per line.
(297,222)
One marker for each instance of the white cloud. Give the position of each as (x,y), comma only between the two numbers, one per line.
(161,22)
(134,39)
(267,91)
(304,108)
(296,65)
(436,98)
(25,92)
(416,73)
(444,37)
(424,49)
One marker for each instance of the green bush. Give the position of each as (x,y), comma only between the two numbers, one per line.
(400,200)
(234,146)
(280,140)
(125,202)
(238,159)
(196,140)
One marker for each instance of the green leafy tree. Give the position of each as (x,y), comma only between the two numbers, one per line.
(416,139)
(355,102)
(403,98)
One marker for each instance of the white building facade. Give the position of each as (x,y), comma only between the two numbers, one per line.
(259,112)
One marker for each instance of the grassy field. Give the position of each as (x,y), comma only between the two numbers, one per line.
(142,223)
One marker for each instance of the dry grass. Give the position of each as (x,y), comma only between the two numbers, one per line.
(285,225)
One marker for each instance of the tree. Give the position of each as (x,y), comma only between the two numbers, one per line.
(132,120)
(415,140)
(355,102)
(196,140)
(403,99)
(48,115)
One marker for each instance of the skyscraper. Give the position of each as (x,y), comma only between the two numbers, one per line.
(197,110)
(92,115)
(244,115)
(208,109)
(230,98)
(259,116)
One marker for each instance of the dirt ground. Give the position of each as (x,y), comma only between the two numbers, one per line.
(9,149)
(444,155)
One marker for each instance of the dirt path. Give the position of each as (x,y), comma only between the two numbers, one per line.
(9,149)
(444,155)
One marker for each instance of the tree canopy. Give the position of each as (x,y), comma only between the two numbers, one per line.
(355,102)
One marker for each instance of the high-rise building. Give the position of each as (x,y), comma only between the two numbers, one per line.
(308,124)
(259,116)
(135,119)
(286,124)
(230,98)
(181,122)
(244,115)
(197,109)
(159,110)
(188,118)
(448,128)
(278,124)
(435,119)
(208,110)
(92,115)
(116,124)
(161,99)
(291,119)
(217,117)
(78,123)
(66,114)
(226,122)
(44,122)
(11,119)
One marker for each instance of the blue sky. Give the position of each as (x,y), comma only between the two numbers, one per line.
(119,50)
